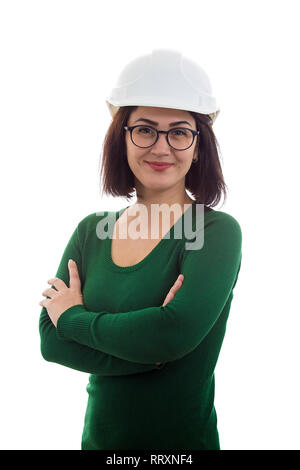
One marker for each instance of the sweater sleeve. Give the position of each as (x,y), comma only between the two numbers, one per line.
(163,334)
(69,353)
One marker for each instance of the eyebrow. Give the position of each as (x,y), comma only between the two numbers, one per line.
(156,123)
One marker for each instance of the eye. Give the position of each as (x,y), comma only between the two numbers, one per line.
(179,130)
(145,130)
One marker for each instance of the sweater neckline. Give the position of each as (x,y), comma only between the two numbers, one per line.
(168,236)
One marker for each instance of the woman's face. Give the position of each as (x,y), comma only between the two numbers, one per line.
(145,176)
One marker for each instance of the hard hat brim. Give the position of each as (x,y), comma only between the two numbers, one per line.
(113,108)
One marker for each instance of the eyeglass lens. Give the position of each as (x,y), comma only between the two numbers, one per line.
(179,138)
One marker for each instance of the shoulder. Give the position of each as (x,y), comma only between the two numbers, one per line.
(221,218)
(216,227)
(206,217)
(90,223)
(217,236)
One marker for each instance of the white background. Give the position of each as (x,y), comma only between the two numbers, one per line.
(59,60)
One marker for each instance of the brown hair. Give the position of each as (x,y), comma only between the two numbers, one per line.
(204,180)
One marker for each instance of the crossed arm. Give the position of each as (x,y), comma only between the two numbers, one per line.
(167,333)
(77,356)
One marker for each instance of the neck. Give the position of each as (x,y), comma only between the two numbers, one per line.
(166,199)
(151,220)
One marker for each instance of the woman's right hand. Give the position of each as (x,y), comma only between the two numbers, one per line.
(176,286)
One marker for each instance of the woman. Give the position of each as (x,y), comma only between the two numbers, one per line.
(146,316)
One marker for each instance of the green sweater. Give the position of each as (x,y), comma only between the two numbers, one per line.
(122,330)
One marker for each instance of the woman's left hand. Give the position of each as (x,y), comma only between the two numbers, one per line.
(64,297)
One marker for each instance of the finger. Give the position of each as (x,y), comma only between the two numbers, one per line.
(44,303)
(169,297)
(176,286)
(178,280)
(49,292)
(57,283)
(74,275)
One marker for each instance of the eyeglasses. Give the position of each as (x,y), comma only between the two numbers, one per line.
(180,138)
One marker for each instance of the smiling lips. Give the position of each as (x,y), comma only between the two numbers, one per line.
(159,166)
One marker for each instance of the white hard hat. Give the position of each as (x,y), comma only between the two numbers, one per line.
(164,78)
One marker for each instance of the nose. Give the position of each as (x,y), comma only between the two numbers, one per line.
(161,146)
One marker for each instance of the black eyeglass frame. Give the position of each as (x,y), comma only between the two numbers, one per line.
(130,128)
